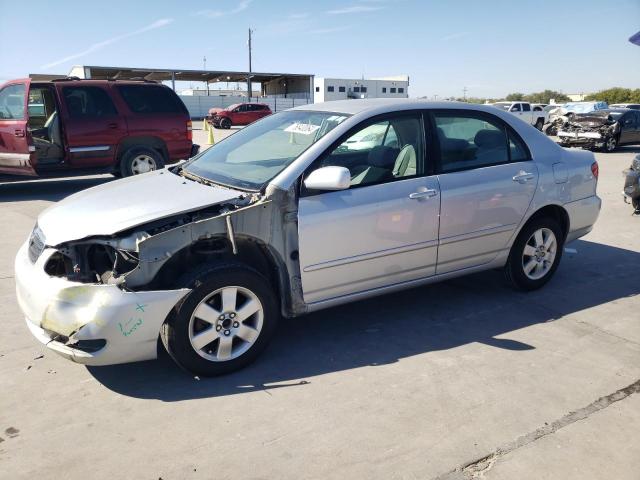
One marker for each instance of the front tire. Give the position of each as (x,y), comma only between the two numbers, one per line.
(610,144)
(225,123)
(224,323)
(535,255)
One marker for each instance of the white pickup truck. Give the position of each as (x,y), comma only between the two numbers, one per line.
(525,112)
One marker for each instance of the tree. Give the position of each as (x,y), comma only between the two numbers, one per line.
(616,95)
(515,97)
(546,96)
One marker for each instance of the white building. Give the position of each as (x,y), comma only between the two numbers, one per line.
(327,89)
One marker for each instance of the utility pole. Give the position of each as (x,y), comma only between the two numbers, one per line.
(204,67)
(464,94)
(249,89)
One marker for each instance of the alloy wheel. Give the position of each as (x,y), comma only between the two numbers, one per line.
(539,253)
(226,323)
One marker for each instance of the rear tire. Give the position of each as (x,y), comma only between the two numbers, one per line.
(137,160)
(535,255)
(224,322)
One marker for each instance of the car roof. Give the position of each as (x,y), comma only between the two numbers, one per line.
(383,105)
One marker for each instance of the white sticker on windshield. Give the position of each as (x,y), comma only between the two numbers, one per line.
(303,128)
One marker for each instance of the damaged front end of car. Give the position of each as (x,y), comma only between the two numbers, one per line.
(103,299)
(592,130)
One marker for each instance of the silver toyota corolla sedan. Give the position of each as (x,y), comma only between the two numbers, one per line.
(306,209)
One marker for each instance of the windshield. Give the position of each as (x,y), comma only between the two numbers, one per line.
(503,105)
(254,155)
(585,107)
(232,107)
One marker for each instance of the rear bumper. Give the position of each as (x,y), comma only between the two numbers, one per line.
(582,216)
(121,326)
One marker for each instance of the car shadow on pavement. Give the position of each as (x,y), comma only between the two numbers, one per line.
(50,189)
(477,308)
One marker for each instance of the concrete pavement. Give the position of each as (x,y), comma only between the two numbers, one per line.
(463,379)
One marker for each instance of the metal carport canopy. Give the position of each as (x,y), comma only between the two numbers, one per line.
(160,74)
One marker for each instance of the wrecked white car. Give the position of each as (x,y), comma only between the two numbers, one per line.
(284,218)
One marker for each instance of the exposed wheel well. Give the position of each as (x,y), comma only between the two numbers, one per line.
(216,249)
(556,212)
(151,142)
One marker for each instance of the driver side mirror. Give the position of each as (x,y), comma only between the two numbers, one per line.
(329,178)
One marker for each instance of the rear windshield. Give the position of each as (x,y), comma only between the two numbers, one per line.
(151,99)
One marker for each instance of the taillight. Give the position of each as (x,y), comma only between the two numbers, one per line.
(190,130)
(595,170)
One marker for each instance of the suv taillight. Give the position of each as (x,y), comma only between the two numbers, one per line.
(190,130)
(595,170)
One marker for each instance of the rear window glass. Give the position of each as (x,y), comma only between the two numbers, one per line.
(151,99)
(88,102)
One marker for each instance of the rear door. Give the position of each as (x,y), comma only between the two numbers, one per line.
(92,125)
(487,180)
(15,153)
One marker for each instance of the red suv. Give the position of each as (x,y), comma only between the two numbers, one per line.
(122,127)
(239,114)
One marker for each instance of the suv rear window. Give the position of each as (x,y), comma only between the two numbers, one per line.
(151,99)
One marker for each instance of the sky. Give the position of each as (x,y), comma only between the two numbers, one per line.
(491,47)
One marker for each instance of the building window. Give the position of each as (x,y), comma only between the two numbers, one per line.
(341,89)
(364,90)
(329,89)
(400,90)
(317,89)
(356,89)
(384,89)
(392,90)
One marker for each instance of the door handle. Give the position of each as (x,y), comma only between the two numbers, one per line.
(426,193)
(113,126)
(523,177)
(19,132)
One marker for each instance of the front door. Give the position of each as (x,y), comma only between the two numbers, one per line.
(16,156)
(487,181)
(92,125)
(381,231)
(630,128)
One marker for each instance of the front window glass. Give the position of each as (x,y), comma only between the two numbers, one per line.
(254,155)
(381,152)
(12,102)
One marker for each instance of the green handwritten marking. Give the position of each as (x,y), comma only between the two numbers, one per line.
(140,307)
(126,331)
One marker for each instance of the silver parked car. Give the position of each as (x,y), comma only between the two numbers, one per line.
(286,217)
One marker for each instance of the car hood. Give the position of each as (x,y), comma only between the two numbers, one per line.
(594,119)
(115,206)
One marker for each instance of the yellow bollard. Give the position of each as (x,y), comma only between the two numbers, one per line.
(210,139)
(205,125)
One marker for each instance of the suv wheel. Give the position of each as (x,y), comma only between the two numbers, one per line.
(224,323)
(138,160)
(225,123)
(535,255)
